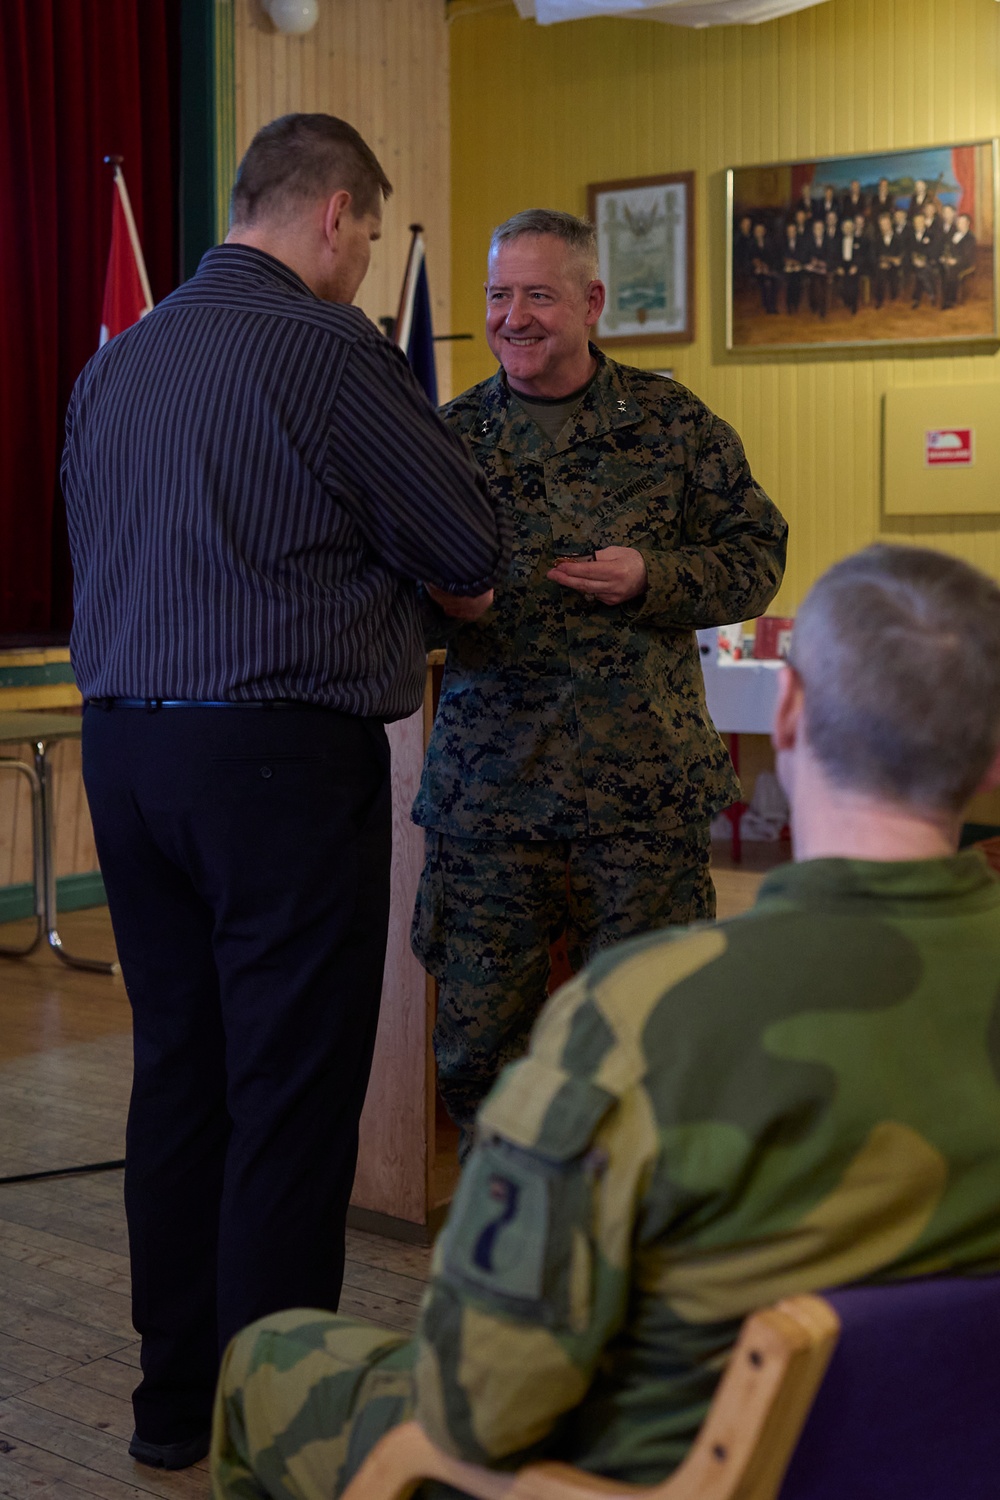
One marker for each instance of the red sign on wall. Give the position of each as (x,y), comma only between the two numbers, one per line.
(947,446)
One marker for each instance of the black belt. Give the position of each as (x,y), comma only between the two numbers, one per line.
(152,705)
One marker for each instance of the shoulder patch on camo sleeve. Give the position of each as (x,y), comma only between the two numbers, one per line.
(501,1224)
(517,1229)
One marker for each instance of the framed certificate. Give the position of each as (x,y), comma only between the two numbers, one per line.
(645,247)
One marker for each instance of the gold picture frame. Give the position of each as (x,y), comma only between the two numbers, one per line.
(878,288)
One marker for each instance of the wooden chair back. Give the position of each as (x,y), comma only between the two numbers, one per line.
(740,1453)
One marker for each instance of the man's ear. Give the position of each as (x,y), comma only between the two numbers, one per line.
(336,207)
(991,777)
(595,301)
(788,712)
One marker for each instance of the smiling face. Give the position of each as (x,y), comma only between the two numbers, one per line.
(540,308)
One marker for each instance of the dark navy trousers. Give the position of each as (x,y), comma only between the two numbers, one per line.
(245,853)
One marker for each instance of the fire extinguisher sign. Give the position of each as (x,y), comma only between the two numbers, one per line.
(948,447)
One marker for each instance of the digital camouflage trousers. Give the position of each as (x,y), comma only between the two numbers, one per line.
(488,912)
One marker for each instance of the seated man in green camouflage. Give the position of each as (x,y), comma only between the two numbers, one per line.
(805,1096)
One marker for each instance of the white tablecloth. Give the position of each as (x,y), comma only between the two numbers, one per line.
(741,695)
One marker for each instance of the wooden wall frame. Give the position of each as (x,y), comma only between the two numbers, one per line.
(645,250)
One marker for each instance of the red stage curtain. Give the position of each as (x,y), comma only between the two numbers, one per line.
(963,165)
(802,173)
(79,80)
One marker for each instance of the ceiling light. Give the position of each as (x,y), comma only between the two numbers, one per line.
(293,17)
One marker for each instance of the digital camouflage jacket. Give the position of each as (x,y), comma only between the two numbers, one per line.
(560,717)
(802,1097)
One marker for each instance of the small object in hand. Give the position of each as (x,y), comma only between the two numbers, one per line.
(584,555)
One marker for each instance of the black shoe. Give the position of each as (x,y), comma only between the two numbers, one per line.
(169,1455)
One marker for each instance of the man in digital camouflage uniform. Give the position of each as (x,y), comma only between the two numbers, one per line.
(804,1096)
(573,770)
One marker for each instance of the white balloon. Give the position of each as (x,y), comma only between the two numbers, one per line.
(293,17)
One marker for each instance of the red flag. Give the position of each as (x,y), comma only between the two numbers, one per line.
(126,290)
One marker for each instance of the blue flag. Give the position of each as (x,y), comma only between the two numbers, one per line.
(414,333)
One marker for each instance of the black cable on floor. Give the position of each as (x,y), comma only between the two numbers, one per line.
(94,1166)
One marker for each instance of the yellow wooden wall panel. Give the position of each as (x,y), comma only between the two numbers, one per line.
(538,112)
(383,66)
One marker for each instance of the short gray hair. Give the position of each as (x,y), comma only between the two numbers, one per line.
(898,649)
(578,234)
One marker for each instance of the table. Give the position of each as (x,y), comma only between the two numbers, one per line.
(36,677)
(42,730)
(742,697)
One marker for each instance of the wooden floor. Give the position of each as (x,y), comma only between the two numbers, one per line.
(68,1352)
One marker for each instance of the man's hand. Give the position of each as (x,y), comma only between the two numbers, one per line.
(616,574)
(460,606)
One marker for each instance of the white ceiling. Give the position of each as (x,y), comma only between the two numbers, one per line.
(673,12)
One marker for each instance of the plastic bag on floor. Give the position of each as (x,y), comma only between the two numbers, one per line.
(768,812)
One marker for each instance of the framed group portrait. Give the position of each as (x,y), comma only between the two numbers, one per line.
(645,248)
(890,247)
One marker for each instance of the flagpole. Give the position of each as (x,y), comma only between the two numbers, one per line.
(401,332)
(133,233)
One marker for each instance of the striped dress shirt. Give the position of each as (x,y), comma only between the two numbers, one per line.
(253,483)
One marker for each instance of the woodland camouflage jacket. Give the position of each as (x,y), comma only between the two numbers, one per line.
(802,1097)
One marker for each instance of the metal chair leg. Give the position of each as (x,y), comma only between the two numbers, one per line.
(55,942)
(8,950)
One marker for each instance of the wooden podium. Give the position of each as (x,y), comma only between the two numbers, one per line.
(407,1164)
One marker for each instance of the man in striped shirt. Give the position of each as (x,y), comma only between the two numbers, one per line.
(254,483)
